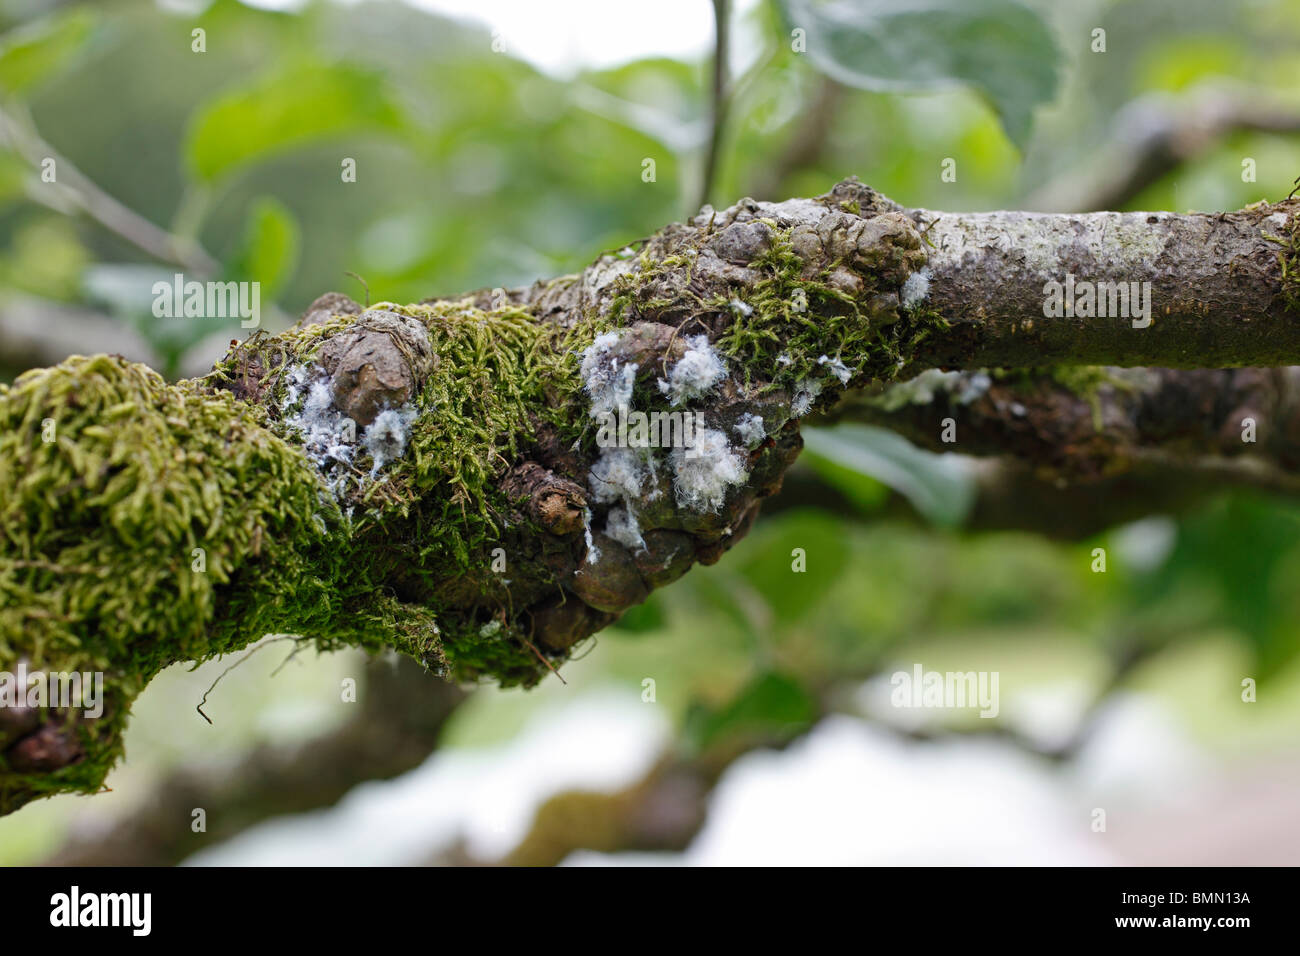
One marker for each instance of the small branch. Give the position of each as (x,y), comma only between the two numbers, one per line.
(1013,495)
(806,145)
(74,190)
(1203,428)
(36,332)
(1154,137)
(721,32)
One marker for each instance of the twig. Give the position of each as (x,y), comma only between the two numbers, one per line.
(199,705)
(807,142)
(541,657)
(78,191)
(1156,136)
(721,31)
(365,285)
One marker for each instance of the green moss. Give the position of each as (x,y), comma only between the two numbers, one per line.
(167,523)
(1288,258)
(431,520)
(799,319)
(496,372)
(789,316)
(103,526)
(1086,382)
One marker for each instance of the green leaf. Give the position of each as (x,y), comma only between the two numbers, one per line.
(268,253)
(287,109)
(771,707)
(36,51)
(1242,554)
(939,487)
(643,618)
(768,565)
(126,291)
(999,47)
(14,173)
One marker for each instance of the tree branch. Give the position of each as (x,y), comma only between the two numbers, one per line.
(440,477)
(1240,426)
(1154,137)
(1217,294)
(720,96)
(76,192)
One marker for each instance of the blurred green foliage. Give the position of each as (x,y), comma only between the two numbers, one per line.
(474,169)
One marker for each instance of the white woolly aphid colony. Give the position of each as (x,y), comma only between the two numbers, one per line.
(704,469)
(329,437)
(622,476)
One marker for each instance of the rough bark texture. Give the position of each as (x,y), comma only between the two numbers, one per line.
(434,477)
(1216,290)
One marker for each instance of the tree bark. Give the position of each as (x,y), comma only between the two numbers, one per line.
(1217,293)
(434,477)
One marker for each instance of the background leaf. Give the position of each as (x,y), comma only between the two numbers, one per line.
(643,618)
(36,51)
(268,253)
(938,486)
(287,109)
(773,706)
(1240,555)
(767,569)
(999,47)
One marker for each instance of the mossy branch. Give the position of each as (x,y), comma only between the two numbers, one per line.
(433,477)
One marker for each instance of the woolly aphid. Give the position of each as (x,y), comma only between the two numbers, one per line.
(751,429)
(915,289)
(387,435)
(607,382)
(329,436)
(622,526)
(703,472)
(621,475)
(593,552)
(695,374)
(836,368)
(805,393)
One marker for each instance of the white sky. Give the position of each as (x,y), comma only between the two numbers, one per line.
(563,36)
